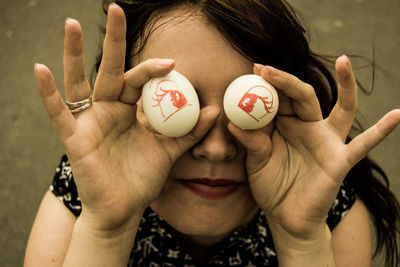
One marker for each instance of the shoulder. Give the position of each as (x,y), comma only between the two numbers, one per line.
(351,238)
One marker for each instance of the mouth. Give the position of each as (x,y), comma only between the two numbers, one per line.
(211,188)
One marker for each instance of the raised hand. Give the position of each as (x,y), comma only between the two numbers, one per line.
(296,173)
(119,165)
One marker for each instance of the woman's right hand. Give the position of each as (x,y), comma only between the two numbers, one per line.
(119,165)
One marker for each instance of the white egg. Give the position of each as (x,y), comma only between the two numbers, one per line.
(170,104)
(250,102)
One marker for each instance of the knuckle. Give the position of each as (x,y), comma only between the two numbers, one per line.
(109,69)
(308,91)
(355,107)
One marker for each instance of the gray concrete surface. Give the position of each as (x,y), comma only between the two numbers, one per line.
(32,31)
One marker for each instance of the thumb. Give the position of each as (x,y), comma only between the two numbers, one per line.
(207,118)
(365,142)
(258,145)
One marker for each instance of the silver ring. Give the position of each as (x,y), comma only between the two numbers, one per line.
(78,106)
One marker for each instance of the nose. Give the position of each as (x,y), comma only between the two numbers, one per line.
(218,145)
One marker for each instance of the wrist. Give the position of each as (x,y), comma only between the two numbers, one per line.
(294,250)
(94,246)
(98,230)
(110,224)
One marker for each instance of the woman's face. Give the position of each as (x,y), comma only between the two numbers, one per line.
(189,201)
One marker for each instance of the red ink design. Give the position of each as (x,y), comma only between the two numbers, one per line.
(251,97)
(172,104)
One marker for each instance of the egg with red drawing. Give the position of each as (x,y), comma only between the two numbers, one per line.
(170,104)
(250,102)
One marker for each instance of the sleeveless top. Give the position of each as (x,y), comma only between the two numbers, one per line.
(157,243)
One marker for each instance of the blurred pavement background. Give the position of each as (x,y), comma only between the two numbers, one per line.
(32,31)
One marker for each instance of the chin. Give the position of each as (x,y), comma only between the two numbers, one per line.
(202,218)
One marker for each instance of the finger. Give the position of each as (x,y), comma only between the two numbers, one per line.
(257,68)
(344,112)
(365,142)
(257,144)
(302,95)
(110,79)
(285,107)
(75,82)
(62,119)
(207,118)
(135,78)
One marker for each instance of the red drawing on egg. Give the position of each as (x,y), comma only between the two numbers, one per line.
(257,95)
(169,98)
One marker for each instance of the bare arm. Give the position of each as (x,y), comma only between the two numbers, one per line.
(94,247)
(50,235)
(59,239)
(351,238)
(349,244)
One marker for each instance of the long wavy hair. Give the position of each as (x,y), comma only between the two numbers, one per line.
(270,32)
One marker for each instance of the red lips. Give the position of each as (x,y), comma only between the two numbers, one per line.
(211,188)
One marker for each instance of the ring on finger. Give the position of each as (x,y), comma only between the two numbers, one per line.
(78,106)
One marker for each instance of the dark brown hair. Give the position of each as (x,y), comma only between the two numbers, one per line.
(269,32)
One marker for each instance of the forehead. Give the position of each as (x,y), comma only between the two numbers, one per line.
(200,51)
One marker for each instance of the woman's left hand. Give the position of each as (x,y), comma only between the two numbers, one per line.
(295,174)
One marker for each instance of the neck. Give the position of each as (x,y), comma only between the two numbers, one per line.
(200,248)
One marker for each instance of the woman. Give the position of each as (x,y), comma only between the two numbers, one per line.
(220,195)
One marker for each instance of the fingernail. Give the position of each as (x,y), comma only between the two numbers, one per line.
(166,62)
(69,20)
(112,4)
(345,59)
(37,66)
(258,66)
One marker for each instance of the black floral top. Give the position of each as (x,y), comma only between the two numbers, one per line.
(157,243)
